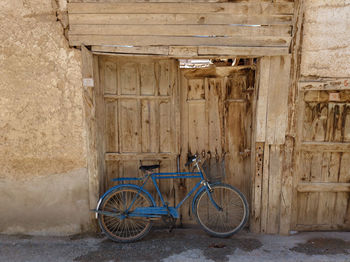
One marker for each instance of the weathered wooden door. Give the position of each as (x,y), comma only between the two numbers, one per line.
(140,116)
(322,180)
(216,120)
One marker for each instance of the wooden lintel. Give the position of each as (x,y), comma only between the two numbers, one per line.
(193,51)
(323,187)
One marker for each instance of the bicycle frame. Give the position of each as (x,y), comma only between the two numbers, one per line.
(157,211)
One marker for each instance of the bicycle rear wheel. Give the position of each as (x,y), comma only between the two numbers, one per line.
(223,223)
(128,229)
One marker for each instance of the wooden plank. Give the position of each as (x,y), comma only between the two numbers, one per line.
(183,51)
(130,131)
(286,188)
(150,126)
(265,189)
(256,195)
(325,84)
(239,41)
(151,50)
(139,156)
(174,1)
(184,134)
(128,79)
(165,125)
(250,51)
(323,187)
(255,8)
(165,86)
(143,97)
(342,208)
(277,108)
(325,147)
(147,74)
(111,129)
(178,19)
(181,30)
(89,108)
(274,189)
(261,109)
(326,204)
(215,116)
(110,77)
(326,96)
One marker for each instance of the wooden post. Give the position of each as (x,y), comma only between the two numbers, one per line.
(89,108)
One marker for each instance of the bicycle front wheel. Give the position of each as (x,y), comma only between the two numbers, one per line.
(230,219)
(128,229)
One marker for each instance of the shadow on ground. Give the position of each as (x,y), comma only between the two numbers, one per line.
(160,244)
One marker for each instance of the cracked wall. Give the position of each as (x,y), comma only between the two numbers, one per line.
(326,44)
(43,175)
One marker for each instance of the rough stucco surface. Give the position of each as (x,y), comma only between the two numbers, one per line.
(326,39)
(41,122)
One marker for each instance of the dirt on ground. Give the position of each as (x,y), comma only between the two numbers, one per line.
(180,245)
(161,244)
(323,246)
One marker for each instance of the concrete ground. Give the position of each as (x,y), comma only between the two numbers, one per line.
(180,245)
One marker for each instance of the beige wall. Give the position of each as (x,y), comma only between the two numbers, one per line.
(43,176)
(326,38)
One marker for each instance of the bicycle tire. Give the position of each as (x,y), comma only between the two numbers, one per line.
(129,229)
(223,223)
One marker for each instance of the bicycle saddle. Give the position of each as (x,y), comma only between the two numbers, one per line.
(147,168)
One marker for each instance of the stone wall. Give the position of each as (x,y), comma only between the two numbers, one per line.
(326,39)
(43,175)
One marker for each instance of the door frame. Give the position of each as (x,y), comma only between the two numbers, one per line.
(260,151)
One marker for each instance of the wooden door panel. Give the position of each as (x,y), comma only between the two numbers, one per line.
(139,116)
(216,109)
(128,79)
(323,183)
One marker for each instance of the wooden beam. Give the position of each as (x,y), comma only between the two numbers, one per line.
(251,51)
(117,97)
(323,187)
(255,220)
(194,51)
(139,156)
(261,110)
(181,30)
(178,19)
(254,8)
(327,96)
(248,40)
(277,101)
(89,103)
(150,50)
(325,84)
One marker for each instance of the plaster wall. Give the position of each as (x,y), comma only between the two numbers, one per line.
(326,38)
(43,175)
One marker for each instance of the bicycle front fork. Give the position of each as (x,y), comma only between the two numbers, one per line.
(209,192)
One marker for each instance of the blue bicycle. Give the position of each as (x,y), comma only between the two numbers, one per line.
(125,212)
